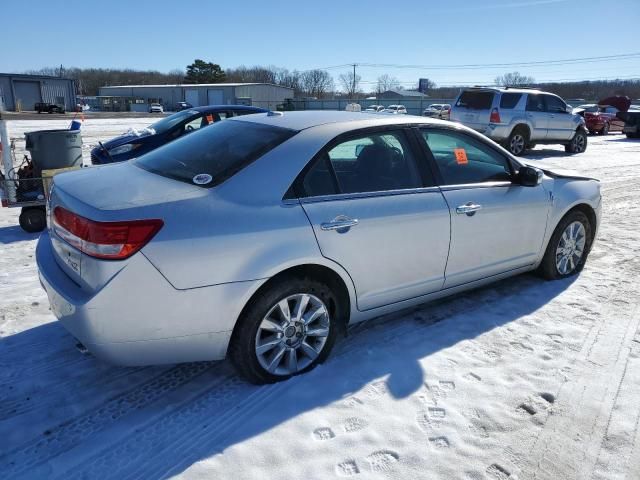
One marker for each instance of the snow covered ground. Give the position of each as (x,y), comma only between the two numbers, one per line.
(524,379)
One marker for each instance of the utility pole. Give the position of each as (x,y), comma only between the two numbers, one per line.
(353,88)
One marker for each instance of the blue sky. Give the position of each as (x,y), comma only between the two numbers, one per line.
(164,35)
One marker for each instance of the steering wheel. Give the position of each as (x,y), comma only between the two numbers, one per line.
(190,128)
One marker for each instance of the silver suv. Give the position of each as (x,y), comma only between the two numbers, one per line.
(519,118)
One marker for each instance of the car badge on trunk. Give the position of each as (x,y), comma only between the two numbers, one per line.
(202,179)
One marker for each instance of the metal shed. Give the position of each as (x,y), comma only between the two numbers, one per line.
(22,92)
(264,95)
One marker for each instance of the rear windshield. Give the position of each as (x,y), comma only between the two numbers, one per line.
(475,100)
(209,156)
(510,100)
(171,121)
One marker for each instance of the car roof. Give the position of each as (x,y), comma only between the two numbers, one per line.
(302,120)
(506,90)
(220,108)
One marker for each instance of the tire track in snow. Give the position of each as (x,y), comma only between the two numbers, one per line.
(71,433)
(146,453)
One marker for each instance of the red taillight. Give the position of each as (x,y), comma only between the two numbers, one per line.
(109,240)
(495,116)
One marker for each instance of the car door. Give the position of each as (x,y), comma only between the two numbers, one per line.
(375,211)
(560,125)
(497,225)
(537,117)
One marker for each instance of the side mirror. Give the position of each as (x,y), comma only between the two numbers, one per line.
(529,176)
(568,109)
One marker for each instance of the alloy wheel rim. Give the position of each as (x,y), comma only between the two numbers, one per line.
(292,334)
(570,248)
(517,144)
(579,143)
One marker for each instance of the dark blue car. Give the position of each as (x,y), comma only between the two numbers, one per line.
(135,143)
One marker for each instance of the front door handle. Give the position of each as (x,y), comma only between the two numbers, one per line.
(468,209)
(341,223)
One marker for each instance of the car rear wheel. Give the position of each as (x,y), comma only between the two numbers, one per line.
(605,129)
(33,219)
(578,144)
(568,248)
(517,141)
(287,330)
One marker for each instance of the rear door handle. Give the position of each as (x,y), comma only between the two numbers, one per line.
(468,209)
(341,222)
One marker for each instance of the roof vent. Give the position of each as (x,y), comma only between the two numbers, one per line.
(274,114)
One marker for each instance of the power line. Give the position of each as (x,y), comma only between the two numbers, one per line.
(472,66)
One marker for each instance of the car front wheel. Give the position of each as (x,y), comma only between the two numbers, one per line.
(578,144)
(285,331)
(568,248)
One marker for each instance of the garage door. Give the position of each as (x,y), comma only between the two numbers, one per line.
(28,93)
(191,96)
(214,97)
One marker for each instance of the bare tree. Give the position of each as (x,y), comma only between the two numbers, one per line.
(350,83)
(514,79)
(316,83)
(387,82)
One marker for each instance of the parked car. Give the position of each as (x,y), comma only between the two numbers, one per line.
(601,117)
(46,107)
(353,107)
(374,108)
(135,143)
(631,119)
(520,118)
(183,106)
(437,110)
(262,237)
(395,109)
(156,108)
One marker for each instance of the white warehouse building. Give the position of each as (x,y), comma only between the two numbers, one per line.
(263,95)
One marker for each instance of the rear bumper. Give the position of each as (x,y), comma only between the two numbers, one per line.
(138,318)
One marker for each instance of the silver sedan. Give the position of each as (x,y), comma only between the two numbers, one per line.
(262,237)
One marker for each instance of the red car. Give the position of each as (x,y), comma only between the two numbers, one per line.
(601,118)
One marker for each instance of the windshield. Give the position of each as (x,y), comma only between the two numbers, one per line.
(171,121)
(216,152)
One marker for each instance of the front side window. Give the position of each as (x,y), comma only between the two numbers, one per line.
(554,104)
(462,159)
(369,163)
(219,151)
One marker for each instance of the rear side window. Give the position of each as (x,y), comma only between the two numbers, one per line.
(218,151)
(376,162)
(510,100)
(475,100)
(535,103)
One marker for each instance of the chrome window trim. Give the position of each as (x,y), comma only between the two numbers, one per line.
(468,186)
(353,196)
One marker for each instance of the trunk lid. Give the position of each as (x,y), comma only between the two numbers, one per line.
(115,192)
(620,102)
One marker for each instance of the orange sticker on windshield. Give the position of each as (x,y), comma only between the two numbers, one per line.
(461,156)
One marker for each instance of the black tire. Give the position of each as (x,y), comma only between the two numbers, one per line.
(517,141)
(605,129)
(548,268)
(33,219)
(633,135)
(242,348)
(578,143)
